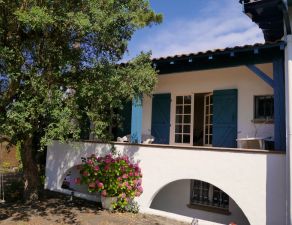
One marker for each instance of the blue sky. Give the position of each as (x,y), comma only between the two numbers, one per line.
(193,26)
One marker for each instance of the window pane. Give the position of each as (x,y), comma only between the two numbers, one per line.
(178,138)
(203,193)
(179,100)
(210,139)
(207,100)
(187,119)
(179,109)
(264,107)
(187,109)
(178,129)
(188,99)
(178,119)
(187,128)
(216,195)
(206,139)
(186,138)
(207,110)
(261,108)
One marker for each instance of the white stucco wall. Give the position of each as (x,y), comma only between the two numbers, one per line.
(255,180)
(241,78)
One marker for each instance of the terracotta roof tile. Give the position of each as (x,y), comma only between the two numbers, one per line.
(220,50)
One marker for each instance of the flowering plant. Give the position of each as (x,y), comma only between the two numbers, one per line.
(112,177)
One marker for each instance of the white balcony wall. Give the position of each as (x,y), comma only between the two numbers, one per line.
(255,180)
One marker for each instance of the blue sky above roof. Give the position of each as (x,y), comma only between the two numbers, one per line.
(193,26)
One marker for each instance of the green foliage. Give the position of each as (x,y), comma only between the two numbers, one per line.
(35,17)
(59,67)
(132,207)
(5,165)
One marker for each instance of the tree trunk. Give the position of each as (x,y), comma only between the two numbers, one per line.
(30,172)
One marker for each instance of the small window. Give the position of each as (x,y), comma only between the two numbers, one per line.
(264,107)
(205,194)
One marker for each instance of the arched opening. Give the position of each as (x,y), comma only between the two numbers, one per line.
(200,200)
(70,184)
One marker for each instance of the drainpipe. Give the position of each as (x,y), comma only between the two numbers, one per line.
(288,90)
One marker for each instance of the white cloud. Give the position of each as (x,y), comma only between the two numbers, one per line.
(216,27)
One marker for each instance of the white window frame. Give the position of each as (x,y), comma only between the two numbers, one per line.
(209,125)
(173,119)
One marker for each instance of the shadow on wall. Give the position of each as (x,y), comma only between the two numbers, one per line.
(199,200)
(276,194)
(70,183)
(62,158)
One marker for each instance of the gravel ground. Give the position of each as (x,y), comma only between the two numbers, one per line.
(56,209)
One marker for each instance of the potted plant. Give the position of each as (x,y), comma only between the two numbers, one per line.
(116,178)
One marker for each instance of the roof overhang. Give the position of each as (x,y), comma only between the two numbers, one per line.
(269,15)
(221,58)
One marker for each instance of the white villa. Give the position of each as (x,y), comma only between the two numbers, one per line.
(221,126)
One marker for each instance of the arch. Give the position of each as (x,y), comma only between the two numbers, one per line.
(239,212)
(74,173)
(75,189)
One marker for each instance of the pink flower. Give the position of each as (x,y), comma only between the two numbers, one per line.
(130,174)
(106,167)
(77,180)
(89,161)
(85,173)
(137,194)
(100,185)
(96,168)
(140,189)
(125,158)
(129,187)
(119,179)
(125,176)
(123,195)
(139,182)
(103,193)
(136,174)
(91,185)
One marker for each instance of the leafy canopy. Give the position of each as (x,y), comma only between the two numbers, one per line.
(59,65)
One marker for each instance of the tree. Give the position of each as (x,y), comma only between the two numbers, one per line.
(59,65)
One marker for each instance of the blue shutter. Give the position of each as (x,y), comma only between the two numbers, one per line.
(160,123)
(137,116)
(225,118)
